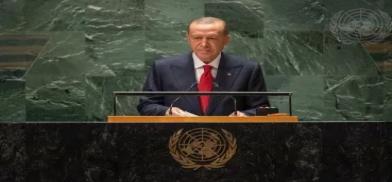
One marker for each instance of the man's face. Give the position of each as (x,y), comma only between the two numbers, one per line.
(207,40)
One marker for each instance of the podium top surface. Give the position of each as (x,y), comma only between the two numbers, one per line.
(203,119)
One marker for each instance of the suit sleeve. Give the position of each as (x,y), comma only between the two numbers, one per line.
(152,105)
(256,83)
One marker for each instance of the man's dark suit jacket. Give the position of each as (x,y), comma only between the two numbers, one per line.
(178,74)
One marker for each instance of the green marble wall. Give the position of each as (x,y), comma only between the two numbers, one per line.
(60,60)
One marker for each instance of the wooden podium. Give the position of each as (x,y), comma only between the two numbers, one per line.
(275,118)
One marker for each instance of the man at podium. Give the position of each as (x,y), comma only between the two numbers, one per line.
(205,68)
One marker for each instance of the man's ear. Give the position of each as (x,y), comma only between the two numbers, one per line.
(227,39)
(187,36)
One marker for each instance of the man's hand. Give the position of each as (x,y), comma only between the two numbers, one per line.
(178,112)
(239,114)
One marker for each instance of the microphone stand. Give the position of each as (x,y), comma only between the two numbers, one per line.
(231,97)
(178,98)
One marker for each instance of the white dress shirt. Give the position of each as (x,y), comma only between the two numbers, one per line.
(199,66)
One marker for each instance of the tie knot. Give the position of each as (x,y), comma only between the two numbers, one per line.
(207,68)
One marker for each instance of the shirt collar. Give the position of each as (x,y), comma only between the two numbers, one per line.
(198,63)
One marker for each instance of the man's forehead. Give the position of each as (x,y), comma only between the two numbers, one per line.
(205,33)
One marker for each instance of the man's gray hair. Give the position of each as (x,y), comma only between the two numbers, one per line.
(209,20)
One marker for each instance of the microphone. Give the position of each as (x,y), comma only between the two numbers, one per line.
(179,97)
(231,97)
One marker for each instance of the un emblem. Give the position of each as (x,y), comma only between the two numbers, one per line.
(202,147)
(360,26)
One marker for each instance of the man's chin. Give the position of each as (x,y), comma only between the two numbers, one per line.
(205,57)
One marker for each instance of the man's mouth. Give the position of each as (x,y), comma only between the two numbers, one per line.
(204,51)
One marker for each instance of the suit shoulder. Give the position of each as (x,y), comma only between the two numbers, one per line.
(238,60)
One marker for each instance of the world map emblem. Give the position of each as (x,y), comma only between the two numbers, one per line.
(202,147)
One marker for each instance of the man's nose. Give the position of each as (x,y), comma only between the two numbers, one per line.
(204,42)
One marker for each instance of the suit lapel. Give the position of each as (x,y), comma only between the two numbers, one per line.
(227,73)
(184,76)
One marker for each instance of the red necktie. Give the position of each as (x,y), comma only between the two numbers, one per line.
(205,84)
